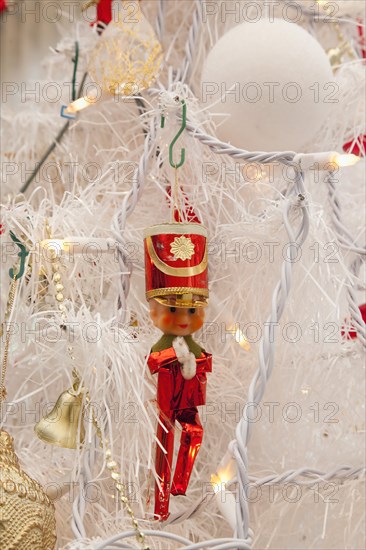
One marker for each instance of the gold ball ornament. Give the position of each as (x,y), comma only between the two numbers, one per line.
(128,56)
(27,515)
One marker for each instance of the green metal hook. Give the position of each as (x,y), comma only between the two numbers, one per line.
(183,151)
(22,255)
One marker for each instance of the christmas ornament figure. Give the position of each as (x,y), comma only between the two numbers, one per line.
(177,291)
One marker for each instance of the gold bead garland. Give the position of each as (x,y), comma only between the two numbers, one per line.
(344,47)
(116,476)
(27,515)
(111,464)
(9,307)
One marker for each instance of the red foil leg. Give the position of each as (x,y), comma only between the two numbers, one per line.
(163,465)
(190,442)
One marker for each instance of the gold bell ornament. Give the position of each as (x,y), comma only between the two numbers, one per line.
(27,515)
(64,425)
(128,56)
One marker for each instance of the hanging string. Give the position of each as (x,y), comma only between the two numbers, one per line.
(175,210)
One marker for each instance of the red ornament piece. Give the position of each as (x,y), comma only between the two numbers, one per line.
(3,5)
(174,392)
(362,41)
(176,257)
(189,212)
(356,146)
(104,15)
(349,332)
(104,11)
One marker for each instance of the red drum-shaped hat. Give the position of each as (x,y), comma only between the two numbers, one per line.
(176,264)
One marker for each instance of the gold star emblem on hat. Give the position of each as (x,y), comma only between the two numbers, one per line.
(182,248)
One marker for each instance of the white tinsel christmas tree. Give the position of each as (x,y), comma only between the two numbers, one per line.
(282,461)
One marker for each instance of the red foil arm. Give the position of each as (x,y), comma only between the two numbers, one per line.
(174,392)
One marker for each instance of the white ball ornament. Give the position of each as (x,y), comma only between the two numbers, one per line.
(273,82)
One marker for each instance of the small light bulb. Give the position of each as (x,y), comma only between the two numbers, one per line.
(225,499)
(225,474)
(239,337)
(215,482)
(82,102)
(78,105)
(324,5)
(326,161)
(346,160)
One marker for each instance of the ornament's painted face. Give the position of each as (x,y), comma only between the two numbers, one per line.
(180,321)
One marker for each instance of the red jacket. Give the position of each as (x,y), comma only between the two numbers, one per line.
(174,392)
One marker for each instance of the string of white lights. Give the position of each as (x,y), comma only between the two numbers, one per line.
(294,201)
(238,448)
(295,198)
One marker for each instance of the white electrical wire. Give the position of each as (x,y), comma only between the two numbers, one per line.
(127,207)
(238,447)
(184,73)
(347,242)
(222,148)
(215,544)
(159,21)
(294,202)
(303,476)
(309,476)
